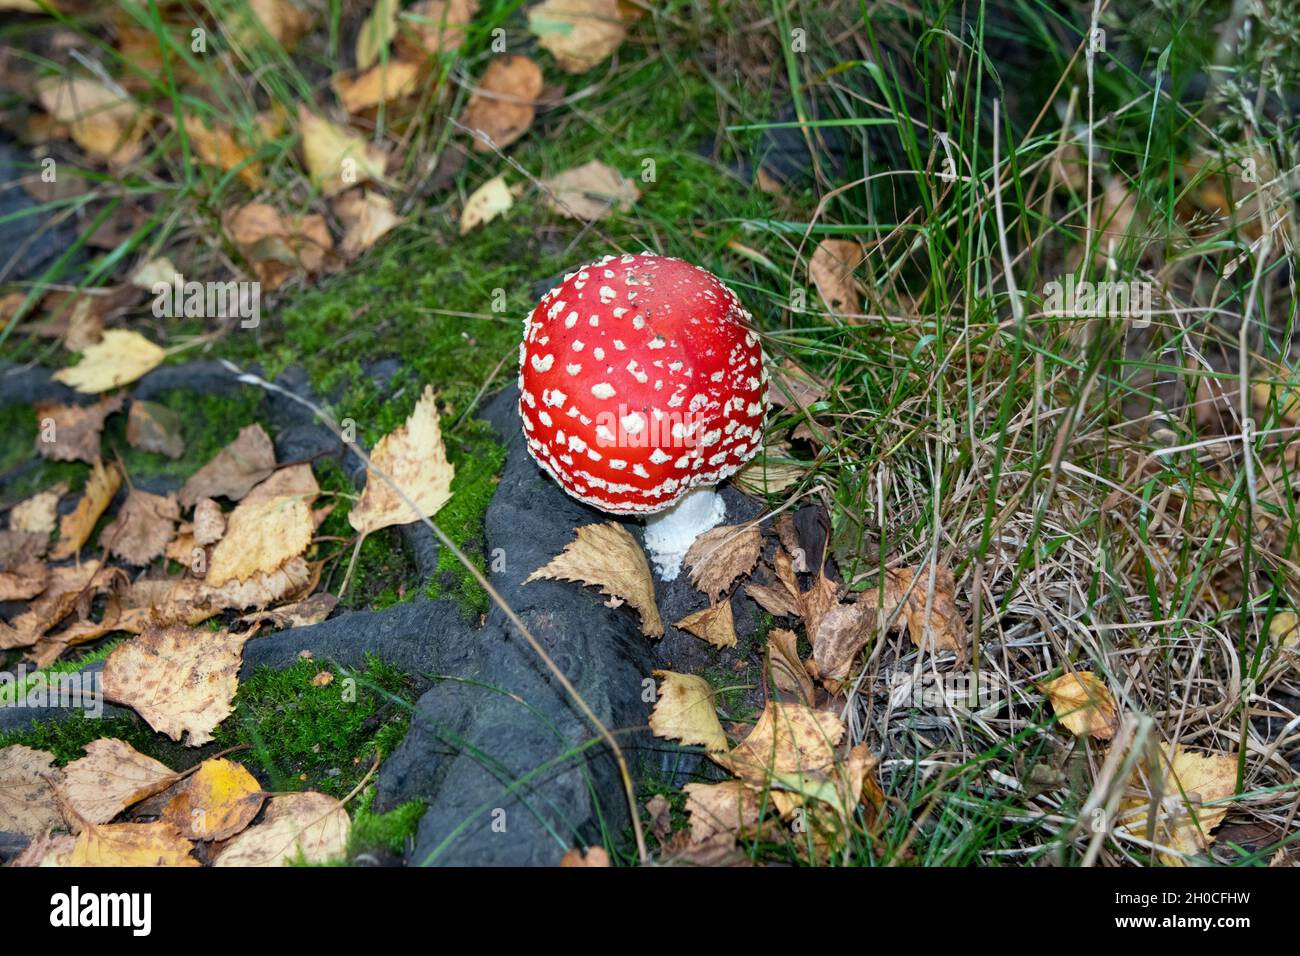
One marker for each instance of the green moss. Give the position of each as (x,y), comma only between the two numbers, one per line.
(209,422)
(305,737)
(67,739)
(387,832)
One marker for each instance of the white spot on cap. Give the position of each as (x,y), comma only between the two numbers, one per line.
(542,364)
(657,457)
(603,390)
(633,423)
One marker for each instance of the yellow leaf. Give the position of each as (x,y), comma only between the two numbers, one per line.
(217,147)
(75,527)
(607,556)
(27,802)
(712,808)
(367,217)
(376,32)
(261,536)
(311,827)
(831,270)
(106,123)
(382,83)
(219,800)
(178,679)
(578,33)
(484,204)
(414,459)
(788,739)
(1186,782)
(685,711)
(1083,704)
(337,158)
(132,844)
(119,358)
(713,624)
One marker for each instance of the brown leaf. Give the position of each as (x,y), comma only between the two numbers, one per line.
(65,589)
(76,527)
(279,247)
(27,802)
(436,26)
(283,20)
(367,217)
(840,634)
(503,106)
(308,826)
(685,711)
(729,808)
(71,432)
(589,192)
(23,581)
(47,850)
(131,844)
(795,388)
(192,601)
(217,146)
(209,522)
(788,739)
(721,555)
(118,358)
(261,536)
(156,428)
(580,34)
(382,83)
(144,526)
(607,556)
(787,671)
(306,612)
(181,681)
(831,271)
(773,598)
(592,856)
(414,459)
(943,625)
(239,466)
(1083,704)
(112,776)
(713,624)
(220,799)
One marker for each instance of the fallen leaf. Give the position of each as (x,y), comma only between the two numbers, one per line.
(594,856)
(503,105)
(376,32)
(944,624)
(580,34)
(282,20)
(685,711)
(39,513)
(607,556)
(106,123)
(414,458)
(323,679)
(159,270)
(112,776)
(76,527)
(367,217)
(1083,704)
(1283,629)
(217,801)
(484,204)
(119,358)
(1187,781)
(304,613)
(245,462)
(789,740)
(721,555)
(839,635)
(311,827)
(279,247)
(181,681)
(209,522)
(47,850)
(729,807)
(144,526)
(154,428)
(437,26)
(66,588)
(261,536)
(713,624)
(590,192)
(831,271)
(382,83)
(787,671)
(337,158)
(131,844)
(27,802)
(189,600)
(71,432)
(217,146)
(23,581)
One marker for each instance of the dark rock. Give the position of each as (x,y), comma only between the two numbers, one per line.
(29,242)
(26,385)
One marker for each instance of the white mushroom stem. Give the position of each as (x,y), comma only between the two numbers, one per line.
(670,533)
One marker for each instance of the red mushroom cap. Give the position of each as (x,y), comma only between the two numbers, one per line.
(639,379)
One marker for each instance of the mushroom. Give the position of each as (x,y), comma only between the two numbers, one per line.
(641,386)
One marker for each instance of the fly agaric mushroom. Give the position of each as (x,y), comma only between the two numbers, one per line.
(641,386)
